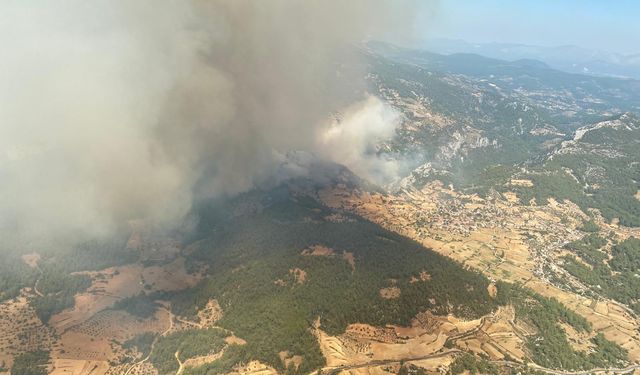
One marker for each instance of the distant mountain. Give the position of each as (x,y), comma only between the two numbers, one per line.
(571,59)
(531,80)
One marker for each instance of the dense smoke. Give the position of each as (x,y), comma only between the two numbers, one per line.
(112,111)
(354,140)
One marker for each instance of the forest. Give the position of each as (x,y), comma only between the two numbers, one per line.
(273,317)
(603,173)
(31,363)
(141,305)
(15,274)
(626,256)
(89,255)
(246,255)
(57,290)
(186,344)
(549,347)
(56,285)
(142,343)
(472,364)
(617,277)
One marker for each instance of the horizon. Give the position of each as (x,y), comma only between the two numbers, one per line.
(591,24)
(517,44)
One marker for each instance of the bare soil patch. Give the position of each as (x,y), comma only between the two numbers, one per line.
(521,182)
(492,290)
(211,313)
(254,368)
(580,341)
(318,251)
(423,276)
(81,346)
(350,259)
(299,275)
(369,332)
(287,359)
(202,360)
(31,259)
(362,343)
(79,367)
(234,340)
(113,284)
(323,251)
(120,325)
(391,292)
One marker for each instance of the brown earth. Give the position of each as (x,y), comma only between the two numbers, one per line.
(323,251)
(21,330)
(78,367)
(113,284)
(31,259)
(392,292)
(234,340)
(211,313)
(299,275)
(521,182)
(580,341)
(350,259)
(318,251)
(83,339)
(254,368)
(202,360)
(492,290)
(493,336)
(287,359)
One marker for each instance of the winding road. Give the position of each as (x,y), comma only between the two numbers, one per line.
(451,340)
(335,370)
(180,363)
(35,285)
(153,344)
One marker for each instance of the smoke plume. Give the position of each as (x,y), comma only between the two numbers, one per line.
(116,110)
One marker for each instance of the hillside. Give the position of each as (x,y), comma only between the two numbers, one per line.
(478,123)
(598,169)
(272,285)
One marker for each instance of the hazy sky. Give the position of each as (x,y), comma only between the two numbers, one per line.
(611,25)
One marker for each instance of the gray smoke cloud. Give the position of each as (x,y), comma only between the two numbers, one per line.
(116,110)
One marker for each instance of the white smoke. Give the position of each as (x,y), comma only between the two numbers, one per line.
(353,140)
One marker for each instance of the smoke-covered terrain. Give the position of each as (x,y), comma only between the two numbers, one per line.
(134,110)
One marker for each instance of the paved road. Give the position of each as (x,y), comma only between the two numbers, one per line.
(452,339)
(582,372)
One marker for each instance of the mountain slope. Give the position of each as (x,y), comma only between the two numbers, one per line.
(478,123)
(598,168)
(277,268)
